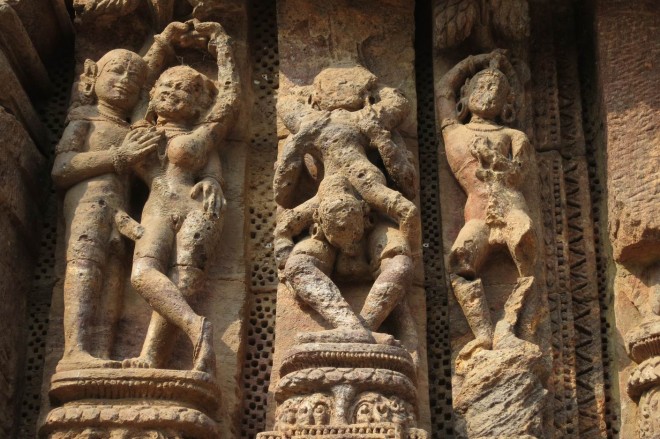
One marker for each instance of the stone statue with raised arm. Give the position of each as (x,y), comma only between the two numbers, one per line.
(489,159)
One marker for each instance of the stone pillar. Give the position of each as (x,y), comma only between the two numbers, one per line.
(629,70)
(23,143)
(350,356)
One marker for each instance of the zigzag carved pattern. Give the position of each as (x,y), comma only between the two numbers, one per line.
(586,312)
(559,301)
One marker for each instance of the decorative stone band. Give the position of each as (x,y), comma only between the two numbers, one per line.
(643,345)
(346,391)
(351,355)
(643,342)
(191,387)
(361,379)
(99,420)
(644,377)
(356,431)
(102,403)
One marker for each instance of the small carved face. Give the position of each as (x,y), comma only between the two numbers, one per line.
(373,407)
(345,88)
(488,94)
(181,94)
(120,80)
(321,414)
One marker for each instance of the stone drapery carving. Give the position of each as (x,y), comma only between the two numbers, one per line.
(175,151)
(477,99)
(346,379)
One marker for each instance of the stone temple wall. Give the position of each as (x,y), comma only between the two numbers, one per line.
(342,220)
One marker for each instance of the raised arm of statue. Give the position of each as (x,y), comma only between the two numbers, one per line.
(224,108)
(287,171)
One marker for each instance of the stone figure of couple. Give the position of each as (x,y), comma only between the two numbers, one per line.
(355,225)
(174,149)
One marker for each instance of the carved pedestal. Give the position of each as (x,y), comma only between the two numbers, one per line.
(348,391)
(130,403)
(643,345)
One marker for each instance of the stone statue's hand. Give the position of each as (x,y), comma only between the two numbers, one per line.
(283,249)
(136,146)
(177,33)
(213,198)
(127,226)
(283,241)
(211,33)
(481,151)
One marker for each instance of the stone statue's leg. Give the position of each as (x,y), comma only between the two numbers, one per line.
(470,249)
(89,230)
(468,252)
(82,283)
(194,241)
(306,272)
(394,204)
(390,256)
(151,262)
(113,294)
(521,241)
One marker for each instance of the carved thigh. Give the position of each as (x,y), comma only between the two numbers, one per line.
(90,231)
(158,237)
(470,248)
(385,241)
(196,239)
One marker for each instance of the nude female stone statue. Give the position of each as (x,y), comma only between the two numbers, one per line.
(346,114)
(489,161)
(93,157)
(183,214)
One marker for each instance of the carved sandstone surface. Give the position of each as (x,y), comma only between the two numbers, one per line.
(99,384)
(501,393)
(632,105)
(482,22)
(349,343)
(502,366)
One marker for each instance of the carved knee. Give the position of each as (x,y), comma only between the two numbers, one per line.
(460,262)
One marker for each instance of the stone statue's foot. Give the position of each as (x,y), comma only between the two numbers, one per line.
(138,363)
(204,355)
(470,349)
(338,335)
(504,336)
(385,339)
(84,360)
